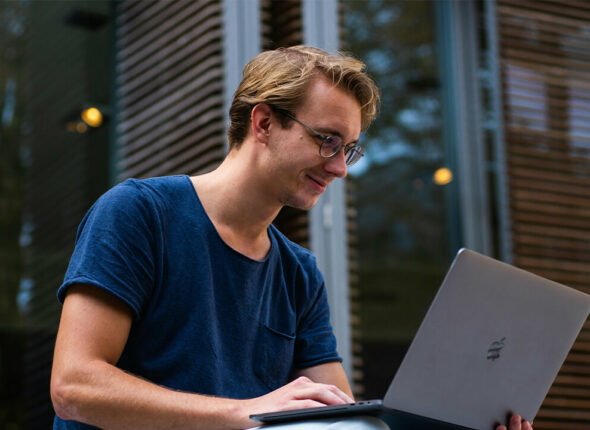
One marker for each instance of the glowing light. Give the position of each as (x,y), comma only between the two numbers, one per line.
(442,176)
(92,116)
(81,127)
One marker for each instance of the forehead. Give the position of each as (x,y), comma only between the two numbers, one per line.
(326,104)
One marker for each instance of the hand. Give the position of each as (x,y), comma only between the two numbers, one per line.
(516,423)
(298,394)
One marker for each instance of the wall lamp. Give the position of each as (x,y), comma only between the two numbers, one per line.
(81,120)
(442,176)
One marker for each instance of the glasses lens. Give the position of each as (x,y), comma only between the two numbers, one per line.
(353,154)
(330,146)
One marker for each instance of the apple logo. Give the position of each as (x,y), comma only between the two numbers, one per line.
(495,348)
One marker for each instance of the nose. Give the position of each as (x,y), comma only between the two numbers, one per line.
(336,165)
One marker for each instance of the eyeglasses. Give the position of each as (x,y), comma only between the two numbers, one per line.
(331,145)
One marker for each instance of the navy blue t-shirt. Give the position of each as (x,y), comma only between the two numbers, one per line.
(207,319)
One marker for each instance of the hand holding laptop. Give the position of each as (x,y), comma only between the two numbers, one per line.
(516,423)
(503,328)
(303,393)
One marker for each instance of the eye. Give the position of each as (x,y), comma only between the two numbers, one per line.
(333,142)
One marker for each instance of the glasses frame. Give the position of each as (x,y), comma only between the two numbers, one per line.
(357,151)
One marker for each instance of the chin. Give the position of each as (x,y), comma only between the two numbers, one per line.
(302,204)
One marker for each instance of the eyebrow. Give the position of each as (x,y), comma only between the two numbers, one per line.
(332,132)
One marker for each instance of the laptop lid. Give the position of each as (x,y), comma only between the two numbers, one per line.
(491,343)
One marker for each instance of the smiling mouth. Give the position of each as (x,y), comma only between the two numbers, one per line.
(319,184)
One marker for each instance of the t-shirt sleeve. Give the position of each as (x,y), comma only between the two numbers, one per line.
(315,342)
(115,247)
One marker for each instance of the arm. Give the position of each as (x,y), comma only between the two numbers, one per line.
(86,385)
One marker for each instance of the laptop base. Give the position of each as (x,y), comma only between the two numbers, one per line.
(396,420)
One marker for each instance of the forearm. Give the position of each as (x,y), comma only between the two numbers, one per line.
(87,387)
(106,397)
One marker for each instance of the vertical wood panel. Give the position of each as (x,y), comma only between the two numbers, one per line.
(545,69)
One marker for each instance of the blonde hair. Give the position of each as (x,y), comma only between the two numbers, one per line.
(281,77)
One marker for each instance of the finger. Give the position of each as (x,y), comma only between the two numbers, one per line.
(342,396)
(320,394)
(326,394)
(515,422)
(303,404)
(526,425)
(345,397)
(301,380)
(325,391)
(501,428)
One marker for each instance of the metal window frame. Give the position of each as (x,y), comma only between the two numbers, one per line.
(496,127)
(457,36)
(328,239)
(242,41)
(328,218)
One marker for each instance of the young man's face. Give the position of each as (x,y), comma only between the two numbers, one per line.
(299,174)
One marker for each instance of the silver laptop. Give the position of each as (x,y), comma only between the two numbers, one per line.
(491,344)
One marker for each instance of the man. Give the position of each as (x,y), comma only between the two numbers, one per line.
(183,307)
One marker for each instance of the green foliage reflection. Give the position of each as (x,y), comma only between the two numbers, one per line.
(402,227)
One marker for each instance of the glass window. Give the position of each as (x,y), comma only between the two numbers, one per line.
(55,92)
(401,185)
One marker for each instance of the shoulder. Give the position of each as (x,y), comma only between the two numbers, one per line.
(136,202)
(144,193)
(160,184)
(161,187)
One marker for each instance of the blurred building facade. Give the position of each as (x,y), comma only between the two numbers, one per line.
(482,141)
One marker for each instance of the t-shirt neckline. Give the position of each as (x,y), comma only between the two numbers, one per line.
(210,224)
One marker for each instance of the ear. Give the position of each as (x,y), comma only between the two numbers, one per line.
(260,122)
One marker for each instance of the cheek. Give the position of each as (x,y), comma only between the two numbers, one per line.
(293,154)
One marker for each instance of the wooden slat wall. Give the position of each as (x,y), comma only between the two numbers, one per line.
(169,69)
(545,70)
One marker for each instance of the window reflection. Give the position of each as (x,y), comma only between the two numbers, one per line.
(403,249)
(55,61)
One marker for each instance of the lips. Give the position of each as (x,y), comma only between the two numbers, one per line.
(318,183)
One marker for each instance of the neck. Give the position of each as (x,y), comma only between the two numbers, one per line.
(237,206)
